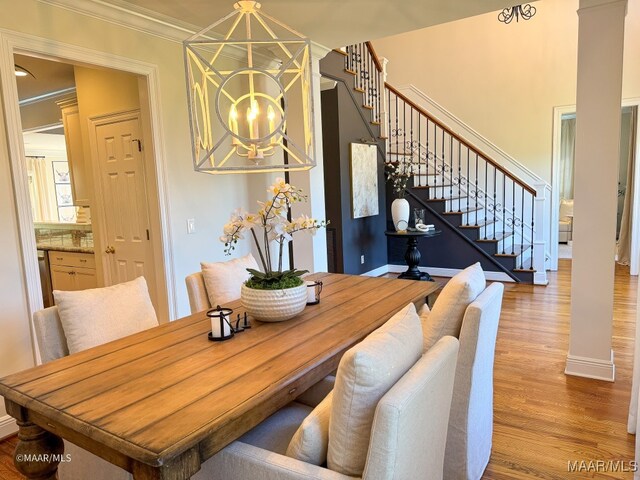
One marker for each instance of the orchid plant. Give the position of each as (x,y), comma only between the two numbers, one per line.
(398,174)
(271,224)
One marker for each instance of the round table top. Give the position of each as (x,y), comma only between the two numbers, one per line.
(412,233)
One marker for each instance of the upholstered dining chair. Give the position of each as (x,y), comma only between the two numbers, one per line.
(407,438)
(197,291)
(53,344)
(469,310)
(218,282)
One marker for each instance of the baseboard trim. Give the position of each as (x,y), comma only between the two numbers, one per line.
(377,272)
(8,426)
(449,272)
(591,368)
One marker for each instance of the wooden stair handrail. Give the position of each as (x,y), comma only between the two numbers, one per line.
(374,55)
(488,159)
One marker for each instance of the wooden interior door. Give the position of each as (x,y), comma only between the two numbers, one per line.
(127,251)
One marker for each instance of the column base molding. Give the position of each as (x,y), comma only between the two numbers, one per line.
(594,368)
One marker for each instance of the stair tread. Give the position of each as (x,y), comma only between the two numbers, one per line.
(498,236)
(433,174)
(358,89)
(463,210)
(405,154)
(518,249)
(350,71)
(482,223)
(373,122)
(444,199)
(368,107)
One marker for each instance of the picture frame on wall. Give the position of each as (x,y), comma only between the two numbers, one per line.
(364,180)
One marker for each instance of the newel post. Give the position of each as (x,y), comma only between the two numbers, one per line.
(541,233)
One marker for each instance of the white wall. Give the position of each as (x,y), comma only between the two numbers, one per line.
(504,80)
(206,198)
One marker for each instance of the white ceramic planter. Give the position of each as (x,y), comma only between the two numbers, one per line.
(400,214)
(274,305)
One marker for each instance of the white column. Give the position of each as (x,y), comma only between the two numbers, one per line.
(310,252)
(598,104)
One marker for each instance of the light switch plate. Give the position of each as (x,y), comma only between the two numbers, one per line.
(191,225)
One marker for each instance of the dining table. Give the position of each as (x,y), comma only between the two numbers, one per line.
(161,402)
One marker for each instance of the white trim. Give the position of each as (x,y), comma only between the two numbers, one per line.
(8,426)
(48,96)
(376,272)
(13,42)
(591,368)
(450,272)
(558,112)
(127,15)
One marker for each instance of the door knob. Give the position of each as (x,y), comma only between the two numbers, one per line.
(110,249)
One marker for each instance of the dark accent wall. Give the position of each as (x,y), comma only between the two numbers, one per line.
(342,124)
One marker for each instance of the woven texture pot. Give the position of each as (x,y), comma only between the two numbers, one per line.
(274,305)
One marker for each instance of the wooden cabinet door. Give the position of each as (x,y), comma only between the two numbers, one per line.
(85,278)
(80,175)
(62,278)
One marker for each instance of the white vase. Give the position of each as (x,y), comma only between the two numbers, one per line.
(274,305)
(400,214)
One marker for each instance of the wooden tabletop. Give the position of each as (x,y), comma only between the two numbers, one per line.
(151,397)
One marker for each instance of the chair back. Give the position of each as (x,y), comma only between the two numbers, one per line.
(197,291)
(471,421)
(409,431)
(52,343)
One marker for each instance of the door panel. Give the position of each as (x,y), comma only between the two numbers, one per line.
(125,203)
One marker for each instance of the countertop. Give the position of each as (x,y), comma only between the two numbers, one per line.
(58,246)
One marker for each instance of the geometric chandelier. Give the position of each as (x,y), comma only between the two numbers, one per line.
(250,97)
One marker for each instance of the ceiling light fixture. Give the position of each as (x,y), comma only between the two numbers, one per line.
(250,96)
(525,11)
(21,71)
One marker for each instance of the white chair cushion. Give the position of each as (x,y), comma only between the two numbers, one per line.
(445,318)
(566,209)
(99,315)
(311,441)
(224,279)
(366,372)
(275,432)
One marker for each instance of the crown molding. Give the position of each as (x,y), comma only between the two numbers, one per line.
(129,16)
(146,21)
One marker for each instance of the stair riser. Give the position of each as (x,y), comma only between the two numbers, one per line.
(456,204)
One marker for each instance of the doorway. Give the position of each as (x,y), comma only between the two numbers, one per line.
(146,89)
(564,158)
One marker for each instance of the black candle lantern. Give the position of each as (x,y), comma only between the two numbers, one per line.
(314,288)
(221,329)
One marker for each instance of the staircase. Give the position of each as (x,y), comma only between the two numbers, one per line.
(462,187)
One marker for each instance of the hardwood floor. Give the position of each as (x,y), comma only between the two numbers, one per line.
(7,470)
(543,418)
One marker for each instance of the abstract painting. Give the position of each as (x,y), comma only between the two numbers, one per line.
(364,180)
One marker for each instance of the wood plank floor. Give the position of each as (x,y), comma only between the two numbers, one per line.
(544,419)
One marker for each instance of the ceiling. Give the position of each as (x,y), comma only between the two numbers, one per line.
(49,76)
(332,23)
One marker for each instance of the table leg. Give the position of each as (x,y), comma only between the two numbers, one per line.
(412,257)
(181,468)
(38,452)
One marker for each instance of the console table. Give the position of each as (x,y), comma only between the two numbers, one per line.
(412,255)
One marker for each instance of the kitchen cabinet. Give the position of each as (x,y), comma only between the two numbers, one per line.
(78,166)
(72,271)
